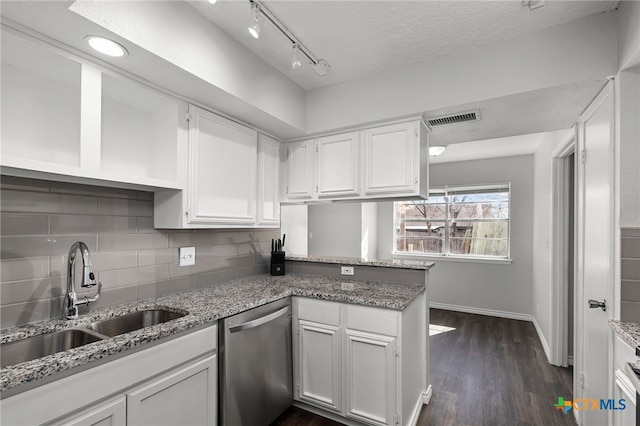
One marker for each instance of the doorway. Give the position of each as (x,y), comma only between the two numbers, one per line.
(562,251)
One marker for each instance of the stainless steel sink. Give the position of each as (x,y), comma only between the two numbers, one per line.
(46,344)
(133,321)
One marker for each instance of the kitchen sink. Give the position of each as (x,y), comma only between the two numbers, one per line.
(133,321)
(46,344)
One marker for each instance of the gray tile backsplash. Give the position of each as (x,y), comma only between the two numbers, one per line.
(41,219)
(630,274)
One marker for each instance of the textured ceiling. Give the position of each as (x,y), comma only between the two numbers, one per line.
(359,38)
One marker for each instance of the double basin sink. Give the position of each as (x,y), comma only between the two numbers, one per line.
(36,347)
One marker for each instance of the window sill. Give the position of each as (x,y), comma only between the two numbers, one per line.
(501,261)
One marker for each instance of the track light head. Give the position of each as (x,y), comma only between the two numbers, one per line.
(295,58)
(254,29)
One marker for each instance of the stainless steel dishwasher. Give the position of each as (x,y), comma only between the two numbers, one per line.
(256,383)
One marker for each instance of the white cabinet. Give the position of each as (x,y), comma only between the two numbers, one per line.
(300,170)
(384,162)
(268,181)
(623,390)
(347,360)
(370,377)
(66,119)
(231,178)
(338,165)
(172,383)
(180,398)
(394,158)
(222,170)
(108,414)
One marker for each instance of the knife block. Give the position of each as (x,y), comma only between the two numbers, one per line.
(277,263)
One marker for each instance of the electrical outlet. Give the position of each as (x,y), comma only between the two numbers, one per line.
(346,270)
(187,256)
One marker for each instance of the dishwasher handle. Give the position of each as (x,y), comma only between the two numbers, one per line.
(259,321)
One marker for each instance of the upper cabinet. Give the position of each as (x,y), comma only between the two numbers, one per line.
(231,178)
(222,170)
(67,119)
(385,162)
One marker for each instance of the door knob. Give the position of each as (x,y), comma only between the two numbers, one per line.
(595,304)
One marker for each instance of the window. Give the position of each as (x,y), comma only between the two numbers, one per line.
(471,221)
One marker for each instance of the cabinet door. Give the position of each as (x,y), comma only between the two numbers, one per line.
(391,159)
(185,397)
(339,165)
(318,378)
(112,413)
(300,168)
(222,164)
(370,377)
(268,167)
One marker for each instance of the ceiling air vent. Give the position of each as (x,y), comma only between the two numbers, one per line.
(454,118)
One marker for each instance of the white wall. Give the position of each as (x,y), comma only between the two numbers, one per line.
(628,145)
(294,224)
(628,34)
(335,230)
(581,50)
(485,287)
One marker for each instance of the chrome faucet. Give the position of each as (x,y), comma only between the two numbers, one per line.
(71,302)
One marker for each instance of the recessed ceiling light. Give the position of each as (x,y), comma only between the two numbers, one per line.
(213,1)
(106,46)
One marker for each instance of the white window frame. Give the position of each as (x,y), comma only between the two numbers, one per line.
(447,256)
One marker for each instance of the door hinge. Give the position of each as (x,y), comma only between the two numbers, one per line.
(581,380)
(396,352)
(583,156)
(316,189)
(396,419)
(287,152)
(316,147)
(286,189)
(187,116)
(298,331)
(298,386)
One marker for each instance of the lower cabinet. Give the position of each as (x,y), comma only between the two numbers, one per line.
(171,383)
(111,413)
(347,360)
(623,392)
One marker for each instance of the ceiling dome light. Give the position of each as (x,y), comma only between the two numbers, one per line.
(213,1)
(254,30)
(106,46)
(434,151)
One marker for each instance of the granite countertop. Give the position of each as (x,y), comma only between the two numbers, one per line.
(203,307)
(629,331)
(355,261)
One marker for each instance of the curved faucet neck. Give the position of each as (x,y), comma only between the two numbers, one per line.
(88,279)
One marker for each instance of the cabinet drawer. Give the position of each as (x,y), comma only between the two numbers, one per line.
(372,320)
(319,311)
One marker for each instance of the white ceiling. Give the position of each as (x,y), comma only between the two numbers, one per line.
(359,38)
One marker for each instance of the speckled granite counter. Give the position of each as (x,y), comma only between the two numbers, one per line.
(385,263)
(204,306)
(629,331)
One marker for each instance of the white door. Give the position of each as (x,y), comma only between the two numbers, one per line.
(318,379)
(222,164)
(594,254)
(268,166)
(370,372)
(391,159)
(338,165)
(113,413)
(300,170)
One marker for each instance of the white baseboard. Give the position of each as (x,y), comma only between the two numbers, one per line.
(426,396)
(481,311)
(423,400)
(545,345)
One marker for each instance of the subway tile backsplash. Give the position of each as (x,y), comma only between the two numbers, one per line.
(630,274)
(41,219)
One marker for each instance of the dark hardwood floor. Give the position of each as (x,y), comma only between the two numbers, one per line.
(484,371)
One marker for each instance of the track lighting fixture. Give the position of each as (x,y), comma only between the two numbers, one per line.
(295,59)
(254,29)
(259,11)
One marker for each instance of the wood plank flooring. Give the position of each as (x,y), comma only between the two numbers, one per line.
(484,371)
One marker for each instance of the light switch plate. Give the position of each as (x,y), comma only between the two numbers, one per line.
(187,256)
(346,270)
